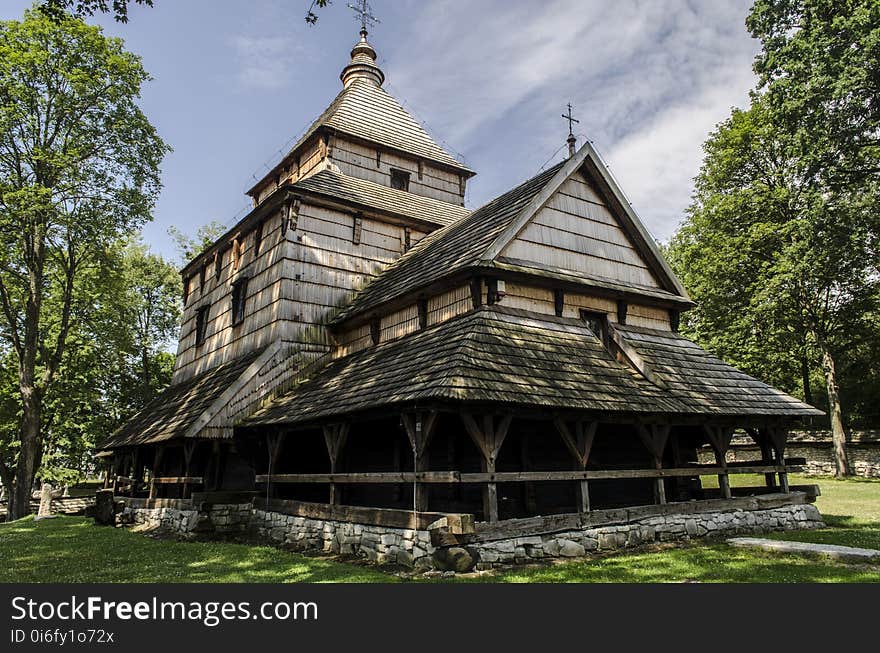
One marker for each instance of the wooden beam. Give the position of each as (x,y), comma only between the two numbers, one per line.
(335,436)
(655,437)
(719,438)
(157,461)
(449,477)
(419,427)
(579,444)
(179,480)
(488,438)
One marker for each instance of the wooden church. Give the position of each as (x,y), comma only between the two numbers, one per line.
(361,340)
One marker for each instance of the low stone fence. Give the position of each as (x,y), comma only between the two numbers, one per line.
(863,450)
(489,545)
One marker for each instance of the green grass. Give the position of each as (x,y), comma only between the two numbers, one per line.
(68,549)
(74,550)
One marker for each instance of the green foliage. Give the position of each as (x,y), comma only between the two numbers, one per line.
(190,247)
(79,170)
(56,9)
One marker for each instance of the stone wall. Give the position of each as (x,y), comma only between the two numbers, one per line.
(651,530)
(172,519)
(417,548)
(863,449)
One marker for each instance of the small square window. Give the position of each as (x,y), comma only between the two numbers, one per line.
(399,180)
(239,296)
(201,325)
(597,323)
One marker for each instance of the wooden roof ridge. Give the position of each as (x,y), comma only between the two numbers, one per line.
(365,101)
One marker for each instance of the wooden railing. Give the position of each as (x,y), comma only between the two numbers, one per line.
(451,477)
(186,481)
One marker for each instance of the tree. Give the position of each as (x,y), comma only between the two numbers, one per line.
(79,167)
(191,246)
(56,9)
(782,265)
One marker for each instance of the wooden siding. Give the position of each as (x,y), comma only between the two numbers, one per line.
(359,160)
(528,298)
(399,323)
(448,305)
(649,317)
(294,285)
(576,232)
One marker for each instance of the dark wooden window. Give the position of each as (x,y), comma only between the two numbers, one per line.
(218,264)
(239,297)
(423,313)
(559,302)
(186,283)
(597,323)
(202,273)
(399,180)
(202,324)
(258,239)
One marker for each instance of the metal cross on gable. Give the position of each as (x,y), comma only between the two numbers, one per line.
(364,14)
(571,120)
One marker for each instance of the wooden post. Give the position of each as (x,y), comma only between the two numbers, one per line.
(529,499)
(579,444)
(420,429)
(488,437)
(273,447)
(157,461)
(334,437)
(719,438)
(188,450)
(778,438)
(135,468)
(761,438)
(655,437)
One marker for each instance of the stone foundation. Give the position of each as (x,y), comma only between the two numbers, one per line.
(418,549)
(651,530)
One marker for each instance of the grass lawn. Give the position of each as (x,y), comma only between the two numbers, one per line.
(69,549)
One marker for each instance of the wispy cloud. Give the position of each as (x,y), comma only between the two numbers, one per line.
(648,79)
(264,62)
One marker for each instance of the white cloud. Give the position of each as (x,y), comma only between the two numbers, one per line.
(264,62)
(648,80)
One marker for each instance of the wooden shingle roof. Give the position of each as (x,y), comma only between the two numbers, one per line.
(447,250)
(510,357)
(706,383)
(371,195)
(172,412)
(367,111)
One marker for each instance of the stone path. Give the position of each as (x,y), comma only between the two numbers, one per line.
(844,553)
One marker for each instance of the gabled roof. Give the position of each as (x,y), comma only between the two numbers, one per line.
(479,239)
(174,412)
(369,194)
(367,111)
(507,356)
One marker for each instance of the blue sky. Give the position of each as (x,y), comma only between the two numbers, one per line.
(235,82)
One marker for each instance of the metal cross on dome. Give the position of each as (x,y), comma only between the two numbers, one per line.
(571,120)
(364,10)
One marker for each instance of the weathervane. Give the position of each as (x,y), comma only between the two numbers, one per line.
(363,10)
(571,120)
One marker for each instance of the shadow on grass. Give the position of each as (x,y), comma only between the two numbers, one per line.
(73,550)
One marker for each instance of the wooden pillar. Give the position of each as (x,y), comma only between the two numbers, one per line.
(115,470)
(579,444)
(488,436)
(135,469)
(157,461)
(335,436)
(419,428)
(188,450)
(273,448)
(529,500)
(719,438)
(655,437)
(761,438)
(778,438)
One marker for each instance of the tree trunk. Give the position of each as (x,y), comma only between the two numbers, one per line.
(805,377)
(28,455)
(838,434)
